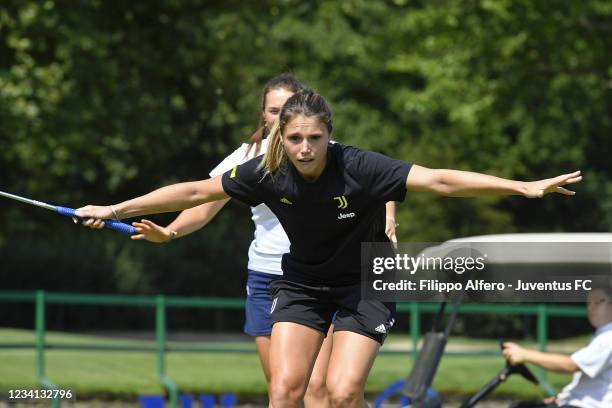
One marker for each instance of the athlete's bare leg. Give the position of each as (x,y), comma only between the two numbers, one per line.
(351,359)
(262,343)
(293,351)
(316,393)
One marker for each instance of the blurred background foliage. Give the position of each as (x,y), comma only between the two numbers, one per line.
(104,100)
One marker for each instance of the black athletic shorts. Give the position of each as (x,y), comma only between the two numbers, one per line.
(315,306)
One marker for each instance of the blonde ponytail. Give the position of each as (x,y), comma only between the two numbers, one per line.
(275,153)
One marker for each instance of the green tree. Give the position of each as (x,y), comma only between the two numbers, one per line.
(103,100)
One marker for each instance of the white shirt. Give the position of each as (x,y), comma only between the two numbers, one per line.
(591,387)
(270,241)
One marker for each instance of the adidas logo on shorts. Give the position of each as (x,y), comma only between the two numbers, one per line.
(381,329)
(273,305)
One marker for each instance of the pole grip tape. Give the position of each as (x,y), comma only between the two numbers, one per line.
(110,224)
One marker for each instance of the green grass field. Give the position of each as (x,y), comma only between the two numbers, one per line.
(123,374)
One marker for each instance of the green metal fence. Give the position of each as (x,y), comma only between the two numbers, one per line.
(161,304)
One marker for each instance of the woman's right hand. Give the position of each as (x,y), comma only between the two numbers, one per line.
(93,216)
(149,231)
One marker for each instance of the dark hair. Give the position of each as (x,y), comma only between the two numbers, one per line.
(307,103)
(283,81)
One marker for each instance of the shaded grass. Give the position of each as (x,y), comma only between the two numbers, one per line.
(96,374)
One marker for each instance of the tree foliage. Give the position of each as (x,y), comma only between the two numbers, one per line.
(103,100)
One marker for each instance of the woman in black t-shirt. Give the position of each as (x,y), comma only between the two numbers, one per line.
(329,198)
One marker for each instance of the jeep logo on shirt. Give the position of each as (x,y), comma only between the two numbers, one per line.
(348,215)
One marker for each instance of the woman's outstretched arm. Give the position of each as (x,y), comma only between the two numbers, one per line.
(175,197)
(188,221)
(456,183)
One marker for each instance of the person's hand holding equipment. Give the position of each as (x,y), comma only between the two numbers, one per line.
(97,217)
(112,224)
(514,353)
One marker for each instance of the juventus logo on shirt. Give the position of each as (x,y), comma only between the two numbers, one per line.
(342,203)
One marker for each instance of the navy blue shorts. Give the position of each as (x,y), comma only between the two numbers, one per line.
(259,303)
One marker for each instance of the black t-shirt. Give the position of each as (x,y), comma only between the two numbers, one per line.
(328,219)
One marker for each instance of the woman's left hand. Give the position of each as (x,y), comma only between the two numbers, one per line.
(390,231)
(537,189)
(149,231)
